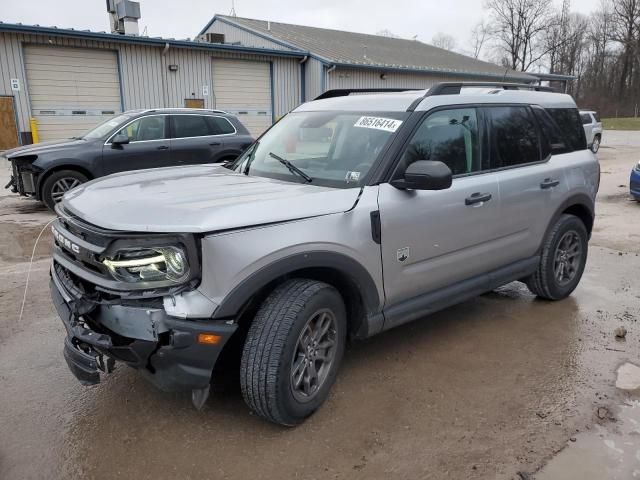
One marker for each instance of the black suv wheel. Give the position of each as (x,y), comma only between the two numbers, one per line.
(564,255)
(59,183)
(293,350)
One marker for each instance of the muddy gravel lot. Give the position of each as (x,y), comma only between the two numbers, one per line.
(503,386)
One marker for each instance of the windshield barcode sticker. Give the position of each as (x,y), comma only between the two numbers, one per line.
(379,123)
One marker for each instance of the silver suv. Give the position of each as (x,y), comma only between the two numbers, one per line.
(352,215)
(592,129)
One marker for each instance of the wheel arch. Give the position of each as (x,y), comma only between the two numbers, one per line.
(349,277)
(57,168)
(581,206)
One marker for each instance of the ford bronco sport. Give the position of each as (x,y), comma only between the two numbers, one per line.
(352,215)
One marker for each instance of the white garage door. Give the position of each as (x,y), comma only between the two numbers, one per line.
(71,89)
(243,88)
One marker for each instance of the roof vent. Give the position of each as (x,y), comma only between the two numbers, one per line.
(124,16)
(214,37)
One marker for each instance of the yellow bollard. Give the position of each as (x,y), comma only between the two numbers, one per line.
(34,130)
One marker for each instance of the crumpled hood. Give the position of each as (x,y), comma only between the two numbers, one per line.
(202,198)
(45,147)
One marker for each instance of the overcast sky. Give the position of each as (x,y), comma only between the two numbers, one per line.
(185,18)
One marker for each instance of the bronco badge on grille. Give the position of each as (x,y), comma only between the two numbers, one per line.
(64,241)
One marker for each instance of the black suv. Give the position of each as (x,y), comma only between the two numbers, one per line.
(134,140)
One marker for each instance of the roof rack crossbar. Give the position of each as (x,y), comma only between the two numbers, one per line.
(343,92)
(454,88)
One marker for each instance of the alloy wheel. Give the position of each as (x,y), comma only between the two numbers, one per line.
(567,258)
(314,354)
(62,186)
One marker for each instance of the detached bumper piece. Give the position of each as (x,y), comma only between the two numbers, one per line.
(175,360)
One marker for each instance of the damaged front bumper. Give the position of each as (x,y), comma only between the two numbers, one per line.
(166,349)
(24,177)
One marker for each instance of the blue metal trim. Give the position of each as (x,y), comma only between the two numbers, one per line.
(303,82)
(7,27)
(382,68)
(273,102)
(120,80)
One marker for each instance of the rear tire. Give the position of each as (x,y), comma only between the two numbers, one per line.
(562,262)
(300,330)
(595,146)
(58,183)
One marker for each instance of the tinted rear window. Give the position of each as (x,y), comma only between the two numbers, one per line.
(586,118)
(596,115)
(515,137)
(189,126)
(570,125)
(220,126)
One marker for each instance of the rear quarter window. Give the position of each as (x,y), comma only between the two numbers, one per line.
(570,126)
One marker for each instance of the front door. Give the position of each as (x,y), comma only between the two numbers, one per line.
(148,147)
(434,239)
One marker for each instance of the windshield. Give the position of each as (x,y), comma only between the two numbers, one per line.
(105,127)
(335,149)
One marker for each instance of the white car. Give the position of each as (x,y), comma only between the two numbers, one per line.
(592,129)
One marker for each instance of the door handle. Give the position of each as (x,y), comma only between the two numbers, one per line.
(549,183)
(477,198)
(163,147)
(215,144)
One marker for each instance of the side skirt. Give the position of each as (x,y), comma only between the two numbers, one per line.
(420,306)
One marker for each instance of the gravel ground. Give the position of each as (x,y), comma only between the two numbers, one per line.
(497,387)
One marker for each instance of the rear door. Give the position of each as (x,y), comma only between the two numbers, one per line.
(198,138)
(434,239)
(531,181)
(587,124)
(148,146)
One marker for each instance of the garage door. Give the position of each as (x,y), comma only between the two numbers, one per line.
(71,89)
(243,88)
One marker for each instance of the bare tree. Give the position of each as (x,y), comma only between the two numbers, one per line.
(479,35)
(626,17)
(518,29)
(444,40)
(387,33)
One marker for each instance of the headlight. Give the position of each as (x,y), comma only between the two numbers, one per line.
(637,167)
(149,265)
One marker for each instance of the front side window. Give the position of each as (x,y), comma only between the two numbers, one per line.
(105,127)
(335,149)
(448,136)
(145,129)
(570,124)
(514,136)
(189,126)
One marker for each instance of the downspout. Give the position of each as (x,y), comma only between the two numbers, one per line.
(326,74)
(163,76)
(303,82)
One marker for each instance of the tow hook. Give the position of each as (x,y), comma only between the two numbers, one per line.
(199,397)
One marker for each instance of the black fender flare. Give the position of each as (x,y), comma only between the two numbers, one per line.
(581,200)
(235,300)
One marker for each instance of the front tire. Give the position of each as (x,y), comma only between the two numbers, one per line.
(595,146)
(293,350)
(562,262)
(59,183)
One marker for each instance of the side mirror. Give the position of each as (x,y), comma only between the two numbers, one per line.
(425,175)
(120,139)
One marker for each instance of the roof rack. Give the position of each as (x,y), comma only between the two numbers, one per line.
(454,88)
(343,92)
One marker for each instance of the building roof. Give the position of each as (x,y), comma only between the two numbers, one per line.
(336,47)
(158,41)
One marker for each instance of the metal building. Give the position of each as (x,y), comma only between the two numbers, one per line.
(69,80)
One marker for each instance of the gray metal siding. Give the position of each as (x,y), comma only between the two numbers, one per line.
(313,73)
(233,34)
(146,81)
